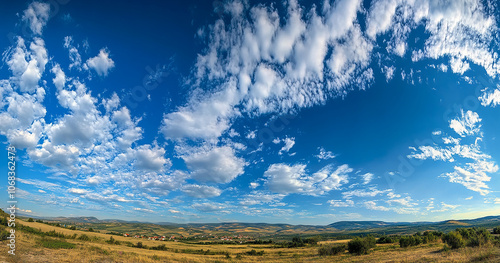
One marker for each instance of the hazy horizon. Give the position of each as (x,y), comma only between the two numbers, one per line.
(297,112)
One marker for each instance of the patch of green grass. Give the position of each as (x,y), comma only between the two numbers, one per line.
(55,243)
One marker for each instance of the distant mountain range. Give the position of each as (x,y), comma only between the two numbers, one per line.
(351,227)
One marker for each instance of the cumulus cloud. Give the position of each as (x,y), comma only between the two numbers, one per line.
(201,191)
(286,179)
(101,63)
(36,16)
(214,164)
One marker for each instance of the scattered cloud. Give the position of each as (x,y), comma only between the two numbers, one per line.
(101,63)
(490,98)
(201,191)
(36,16)
(325,155)
(286,179)
(472,174)
(214,164)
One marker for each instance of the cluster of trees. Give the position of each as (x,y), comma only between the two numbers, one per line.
(300,242)
(361,245)
(471,237)
(418,238)
(331,250)
(357,246)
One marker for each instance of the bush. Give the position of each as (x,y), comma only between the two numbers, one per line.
(331,250)
(159,247)
(31,220)
(361,245)
(84,238)
(479,237)
(91,230)
(454,239)
(139,245)
(254,252)
(112,241)
(296,242)
(387,240)
(4,234)
(73,228)
(496,230)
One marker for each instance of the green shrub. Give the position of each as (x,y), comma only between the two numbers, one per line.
(387,240)
(84,238)
(254,252)
(496,230)
(331,250)
(91,230)
(4,234)
(361,245)
(454,239)
(479,237)
(31,220)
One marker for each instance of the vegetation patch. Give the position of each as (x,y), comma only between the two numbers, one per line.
(361,245)
(55,243)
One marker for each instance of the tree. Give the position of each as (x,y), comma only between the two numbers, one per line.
(91,230)
(496,230)
(361,245)
(31,220)
(454,239)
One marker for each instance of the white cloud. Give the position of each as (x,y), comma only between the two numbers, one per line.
(201,191)
(406,201)
(59,79)
(474,173)
(74,54)
(149,158)
(389,72)
(372,205)
(325,155)
(254,185)
(37,16)
(286,65)
(214,164)
(371,192)
(339,203)
(208,207)
(289,143)
(260,197)
(285,179)
(467,124)
(490,98)
(101,63)
(77,191)
(367,178)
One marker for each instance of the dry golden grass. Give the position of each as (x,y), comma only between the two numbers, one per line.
(29,250)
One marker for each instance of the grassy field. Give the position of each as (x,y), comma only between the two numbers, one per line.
(35,248)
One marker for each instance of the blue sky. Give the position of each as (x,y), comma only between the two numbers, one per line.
(301,112)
